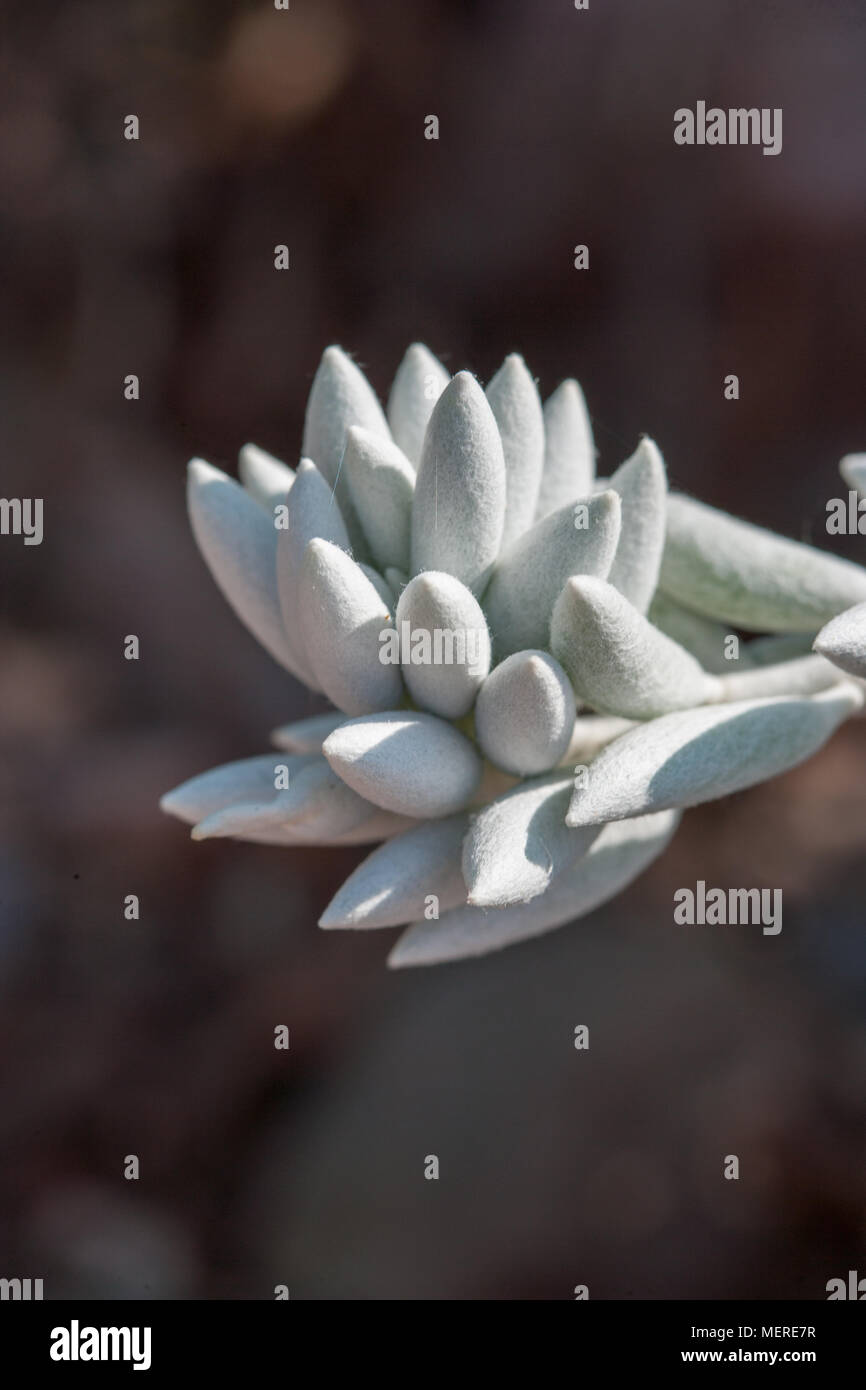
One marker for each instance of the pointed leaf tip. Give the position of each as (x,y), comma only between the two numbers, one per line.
(642,485)
(843,641)
(619,854)
(381,483)
(238,542)
(458,512)
(580,538)
(418,384)
(698,755)
(569,451)
(340,396)
(617,661)
(264,476)
(395,882)
(735,572)
(516,407)
(520,843)
(344,622)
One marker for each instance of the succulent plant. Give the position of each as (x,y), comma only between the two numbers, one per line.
(531,671)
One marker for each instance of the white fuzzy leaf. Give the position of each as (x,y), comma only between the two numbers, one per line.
(238,543)
(738,573)
(257,822)
(414,764)
(341,396)
(381,483)
(342,617)
(516,407)
(519,843)
(394,883)
(264,477)
(843,641)
(459,508)
(621,852)
(617,661)
(418,384)
(273,823)
(306,735)
(313,514)
(805,675)
(441,621)
(698,755)
(569,452)
(247,779)
(642,485)
(317,802)
(524,714)
(707,640)
(528,579)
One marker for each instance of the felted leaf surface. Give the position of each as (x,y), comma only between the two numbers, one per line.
(393,883)
(414,764)
(238,543)
(642,485)
(739,573)
(843,641)
(528,578)
(458,512)
(524,713)
(381,483)
(569,452)
(265,478)
(418,384)
(342,617)
(621,852)
(457,643)
(520,843)
(698,755)
(516,407)
(617,661)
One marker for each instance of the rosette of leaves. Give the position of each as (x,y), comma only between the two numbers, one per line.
(529,672)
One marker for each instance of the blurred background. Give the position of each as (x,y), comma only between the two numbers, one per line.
(155,1037)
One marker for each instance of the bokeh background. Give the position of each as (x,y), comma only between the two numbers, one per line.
(155,1037)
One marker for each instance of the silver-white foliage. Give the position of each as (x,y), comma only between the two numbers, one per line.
(700,754)
(843,641)
(621,852)
(584,677)
(739,573)
(524,714)
(458,513)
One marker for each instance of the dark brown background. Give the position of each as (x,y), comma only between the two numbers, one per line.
(155,1038)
